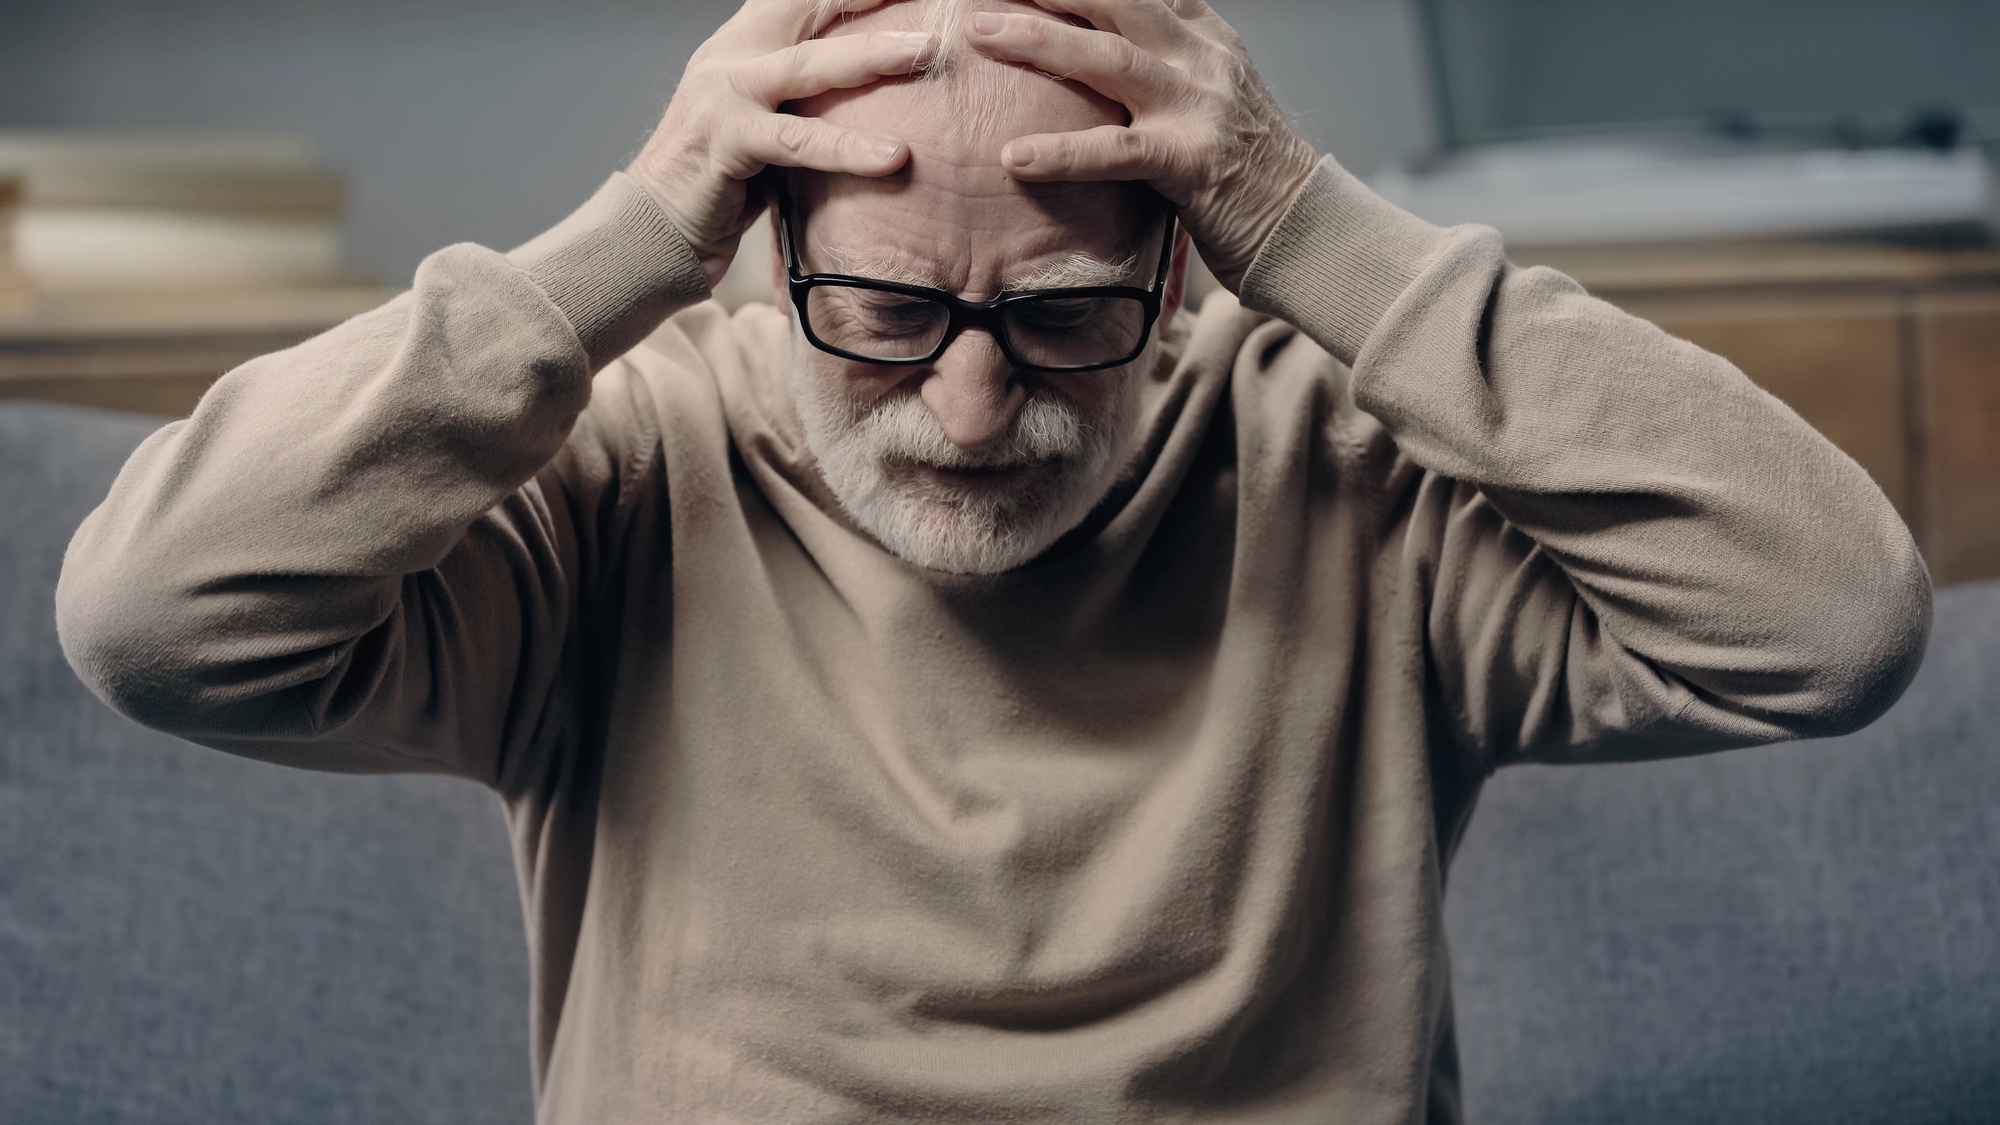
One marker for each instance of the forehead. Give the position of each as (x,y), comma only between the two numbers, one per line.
(953,210)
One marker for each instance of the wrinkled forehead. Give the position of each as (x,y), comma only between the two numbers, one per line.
(954,198)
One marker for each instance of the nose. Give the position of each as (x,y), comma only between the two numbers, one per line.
(972,391)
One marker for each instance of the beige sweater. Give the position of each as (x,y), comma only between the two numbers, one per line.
(1152,830)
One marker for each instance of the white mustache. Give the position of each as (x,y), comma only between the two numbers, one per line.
(904,429)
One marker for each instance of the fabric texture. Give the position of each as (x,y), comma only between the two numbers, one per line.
(1153,829)
(189,937)
(1794,934)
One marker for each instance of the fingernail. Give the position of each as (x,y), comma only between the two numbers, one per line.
(988,23)
(1019,153)
(885,150)
(915,40)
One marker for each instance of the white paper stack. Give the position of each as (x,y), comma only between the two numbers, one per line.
(1635,191)
(118,210)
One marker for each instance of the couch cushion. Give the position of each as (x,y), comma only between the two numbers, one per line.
(190,937)
(1800,933)
(1797,933)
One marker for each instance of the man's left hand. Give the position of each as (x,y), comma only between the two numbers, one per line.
(1205,131)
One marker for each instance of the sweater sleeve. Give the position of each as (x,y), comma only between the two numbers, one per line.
(362,553)
(1643,554)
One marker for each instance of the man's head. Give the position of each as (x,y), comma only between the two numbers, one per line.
(967,463)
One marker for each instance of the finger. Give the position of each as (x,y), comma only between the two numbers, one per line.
(819,65)
(1108,152)
(1106,62)
(807,142)
(1154,25)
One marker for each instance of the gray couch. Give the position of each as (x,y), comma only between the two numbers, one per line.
(1803,933)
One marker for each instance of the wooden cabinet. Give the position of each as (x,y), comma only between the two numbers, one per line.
(1892,353)
(1957,353)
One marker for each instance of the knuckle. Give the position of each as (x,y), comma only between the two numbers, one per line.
(700,70)
(1142,153)
(792,134)
(792,64)
(740,80)
(1117,59)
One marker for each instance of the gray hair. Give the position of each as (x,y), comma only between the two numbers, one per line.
(944,19)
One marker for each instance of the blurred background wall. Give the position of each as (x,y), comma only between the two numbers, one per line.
(487,121)
(1523,65)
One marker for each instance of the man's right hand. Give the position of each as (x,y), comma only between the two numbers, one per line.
(724,125)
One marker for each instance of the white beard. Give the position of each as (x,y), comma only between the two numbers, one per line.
(870,456)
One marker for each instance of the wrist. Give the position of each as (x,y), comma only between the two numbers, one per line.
(1260,209)
(616,267)
(656,172)
(1338,258)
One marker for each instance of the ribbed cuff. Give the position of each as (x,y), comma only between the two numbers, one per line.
(1337,260)
(616,267)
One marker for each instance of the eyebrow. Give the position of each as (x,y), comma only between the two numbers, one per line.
(1074,270)
(1077,270)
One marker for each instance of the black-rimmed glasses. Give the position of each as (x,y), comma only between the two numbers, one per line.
(873,321)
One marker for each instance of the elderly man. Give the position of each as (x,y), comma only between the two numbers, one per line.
(979,689)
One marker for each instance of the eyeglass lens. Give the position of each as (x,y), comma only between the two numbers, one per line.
(1053,331)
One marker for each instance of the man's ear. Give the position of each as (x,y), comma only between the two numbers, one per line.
(1176,294)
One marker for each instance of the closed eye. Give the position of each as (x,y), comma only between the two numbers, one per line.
(893,314)
(1058,314)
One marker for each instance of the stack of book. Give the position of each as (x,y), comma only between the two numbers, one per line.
(108,209)
(147,264)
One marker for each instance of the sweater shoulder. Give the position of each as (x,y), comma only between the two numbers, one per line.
(1288,393)
(657,398)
